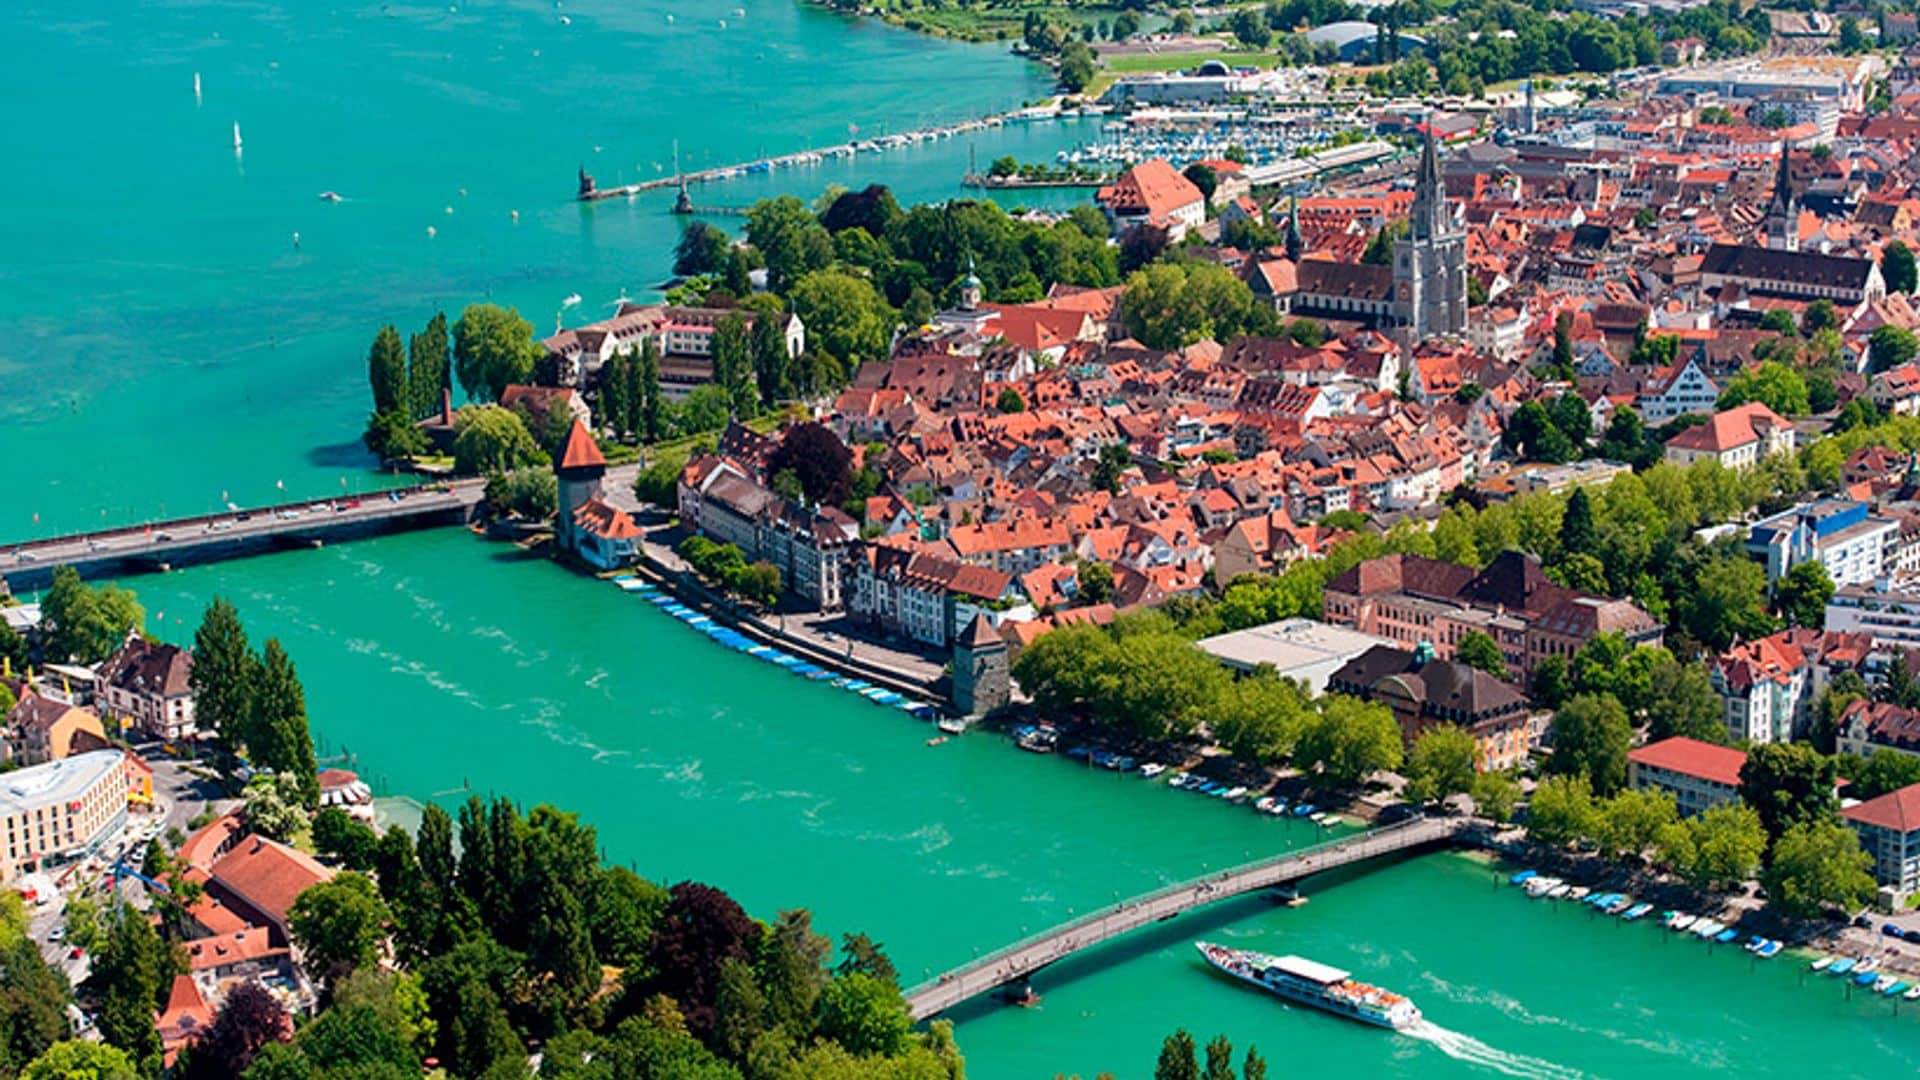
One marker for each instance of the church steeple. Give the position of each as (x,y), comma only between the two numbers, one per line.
(1293,240)
(1429,195)
(1783,214)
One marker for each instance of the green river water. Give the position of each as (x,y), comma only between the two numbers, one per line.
(163,346)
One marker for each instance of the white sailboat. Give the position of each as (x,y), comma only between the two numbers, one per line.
(236,135)
(196,88)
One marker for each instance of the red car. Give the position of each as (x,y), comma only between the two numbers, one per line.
(75,953)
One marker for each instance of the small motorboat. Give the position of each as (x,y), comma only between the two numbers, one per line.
(952,726)
(1866,978)
(329,196)
(1537,887)
(1867,963)
(1840,967)
(1523,877)
(1726,936)
(1707,929)
(1236,794)
(1683,922)
(1769,950)
(1278,808)
(1152,769)
(1820,963)
(1263,804)
(1618,906)
(1579,892)
(1895,987)
(936,740)
(1636,912)
(1913,993)
(1558,891)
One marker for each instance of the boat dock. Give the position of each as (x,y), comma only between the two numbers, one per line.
(589,191)
(1013,965)
(158,546)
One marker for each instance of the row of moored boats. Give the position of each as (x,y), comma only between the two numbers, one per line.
(1865,973)
(741,643)
(1626,908)
(1046,739)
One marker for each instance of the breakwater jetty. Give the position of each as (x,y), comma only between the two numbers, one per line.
(590,191)
(158,546)
(1012,967)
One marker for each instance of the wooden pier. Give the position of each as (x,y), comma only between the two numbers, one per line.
(1013,966)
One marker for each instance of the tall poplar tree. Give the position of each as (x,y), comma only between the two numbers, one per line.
(653,408)
(615,385)
(429,367)
(222,675)
(387,371)
(769,349)
(280,723)
(732,364)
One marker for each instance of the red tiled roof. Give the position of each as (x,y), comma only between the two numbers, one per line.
(268,875)
(581,451)
(1896,810)
(1691,757)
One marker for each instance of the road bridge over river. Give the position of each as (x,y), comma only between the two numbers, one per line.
(1013,965)
(161,545)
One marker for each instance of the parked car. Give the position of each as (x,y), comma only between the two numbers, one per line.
(1892,931)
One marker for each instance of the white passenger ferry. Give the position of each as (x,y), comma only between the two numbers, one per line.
(1315,984)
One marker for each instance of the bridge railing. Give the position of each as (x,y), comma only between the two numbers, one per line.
(1174,889)
(434,488)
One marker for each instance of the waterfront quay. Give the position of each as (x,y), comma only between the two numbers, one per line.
(159,546)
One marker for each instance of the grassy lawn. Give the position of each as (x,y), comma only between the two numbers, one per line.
(1000,23)
(1136,63)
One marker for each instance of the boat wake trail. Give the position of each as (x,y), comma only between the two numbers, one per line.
(1474,1052)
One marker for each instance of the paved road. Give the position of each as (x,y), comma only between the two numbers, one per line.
(163,538)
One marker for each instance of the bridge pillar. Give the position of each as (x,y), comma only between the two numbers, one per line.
(1020,992)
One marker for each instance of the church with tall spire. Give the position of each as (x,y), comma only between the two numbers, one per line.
(1783,214)
(1430,262)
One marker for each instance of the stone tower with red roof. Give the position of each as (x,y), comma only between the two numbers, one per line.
(579,470)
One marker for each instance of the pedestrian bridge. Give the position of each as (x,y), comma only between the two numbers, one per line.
(161,545)
(1012,965)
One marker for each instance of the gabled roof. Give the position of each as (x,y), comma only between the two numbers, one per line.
(1896,810)
(581,451)
(1152,188)
(1691,757)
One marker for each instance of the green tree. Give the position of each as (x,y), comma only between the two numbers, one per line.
(1010,402)
(1202,176)
(1077,67)
(279,737)
(1476,649)
(33,1000)
(1219,1059)
(1820,315)
(1551,684)
(767,345)
(790,239)
(429,367)
(387,372)
(733,364)
(1723,846)
(1776,385)
(1631,821)
(493,348)
(1255,1067)
(1179,1058)
(77,1060)
(651,402)
(339,924)
(1897,266)
(1250,28)
(82,624)
(271,806)
(1802,594)
(1682,701)
(488,438)
(1591,736)
(1728,600)
(1788,784)
(1441,763)
(1890,346)
(1495,795)
(1816,865)
(1096,582)
(1577,534)
(702,250)
(1880,772)
(222,675)
(1171,305)
(1260,717)
(1349,740)
(844,316)
(132,973)
(392,437)
(1561,810)
(864,1014)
